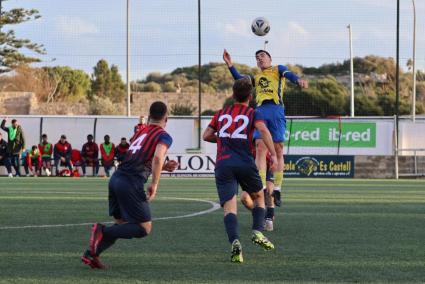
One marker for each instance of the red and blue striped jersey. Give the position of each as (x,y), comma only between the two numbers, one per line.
(235,126)
(138,159)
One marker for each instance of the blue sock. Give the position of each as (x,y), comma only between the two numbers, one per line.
(232,228)
(124,231)
(258,215)
(270,213)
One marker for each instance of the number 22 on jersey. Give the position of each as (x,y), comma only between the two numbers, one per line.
(237,134)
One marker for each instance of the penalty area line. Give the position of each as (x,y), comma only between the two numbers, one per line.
(214,206)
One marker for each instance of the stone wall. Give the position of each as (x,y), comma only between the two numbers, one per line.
(142,101)
(17,103)
(26,103)
(61,108)
(384,166)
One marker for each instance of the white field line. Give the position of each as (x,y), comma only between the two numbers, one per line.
(214,206)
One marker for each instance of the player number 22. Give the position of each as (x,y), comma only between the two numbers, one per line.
(135,146)
(237,133)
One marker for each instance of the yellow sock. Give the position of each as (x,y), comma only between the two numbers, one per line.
(263,177)
(278,179)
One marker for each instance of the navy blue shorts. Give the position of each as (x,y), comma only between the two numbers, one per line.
(227,179)
(127,199)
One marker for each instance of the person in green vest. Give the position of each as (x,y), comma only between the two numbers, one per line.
(15,143)
(107,152)
(46,150)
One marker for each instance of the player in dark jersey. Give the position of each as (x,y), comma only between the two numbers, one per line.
(232,129)
(90,156)
(128,202)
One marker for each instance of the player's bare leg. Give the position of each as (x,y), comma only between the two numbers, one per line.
(258,214)
(232,229)
(261,160)
(247,200)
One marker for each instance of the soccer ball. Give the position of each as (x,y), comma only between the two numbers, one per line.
(260,26)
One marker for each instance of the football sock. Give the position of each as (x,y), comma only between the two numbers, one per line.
(270,213)
(258,214)
(278,179)
(232,228)
(124,231)
(263,176)
(104,245)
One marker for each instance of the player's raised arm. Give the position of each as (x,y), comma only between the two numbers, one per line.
(228,59)
(268,141)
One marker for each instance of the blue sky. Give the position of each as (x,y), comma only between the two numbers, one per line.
(164,32)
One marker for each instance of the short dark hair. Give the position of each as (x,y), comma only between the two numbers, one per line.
(44,136)
(123,138)
(106,136)
(14,120)
(158,110)
(90,136)
(242,89)
(262,50)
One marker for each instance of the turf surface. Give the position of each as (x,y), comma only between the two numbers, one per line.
(327,231)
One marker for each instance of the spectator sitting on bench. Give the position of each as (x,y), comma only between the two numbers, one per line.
(32,158)
(90,156)
(62,153)
(121,150)
(107,151)
(46,151)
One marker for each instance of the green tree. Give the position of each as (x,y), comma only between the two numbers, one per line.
(72,85)
(101,79)
(182,109)
(323,98)
(152,87)
(367,105)
(118,87)
(107,82)
(11,46)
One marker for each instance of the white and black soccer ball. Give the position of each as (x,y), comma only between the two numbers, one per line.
(260,26)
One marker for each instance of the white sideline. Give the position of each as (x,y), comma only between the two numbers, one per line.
(214,206)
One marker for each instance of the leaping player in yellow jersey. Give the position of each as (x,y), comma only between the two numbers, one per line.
(269,85)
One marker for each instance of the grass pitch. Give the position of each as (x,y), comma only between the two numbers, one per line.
(326,231)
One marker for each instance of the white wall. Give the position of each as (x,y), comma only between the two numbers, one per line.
(185,135)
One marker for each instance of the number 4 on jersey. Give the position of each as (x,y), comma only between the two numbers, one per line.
(135,146)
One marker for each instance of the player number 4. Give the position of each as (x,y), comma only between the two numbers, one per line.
(237,133)
(135,146)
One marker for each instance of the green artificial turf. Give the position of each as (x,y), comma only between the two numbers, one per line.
(328,230)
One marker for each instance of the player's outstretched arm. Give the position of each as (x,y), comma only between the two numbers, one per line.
(229,63)
(157,163)
(268,141)
(227,58)
(286,73)
(209,135)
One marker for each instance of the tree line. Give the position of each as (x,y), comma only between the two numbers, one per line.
(103,89)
